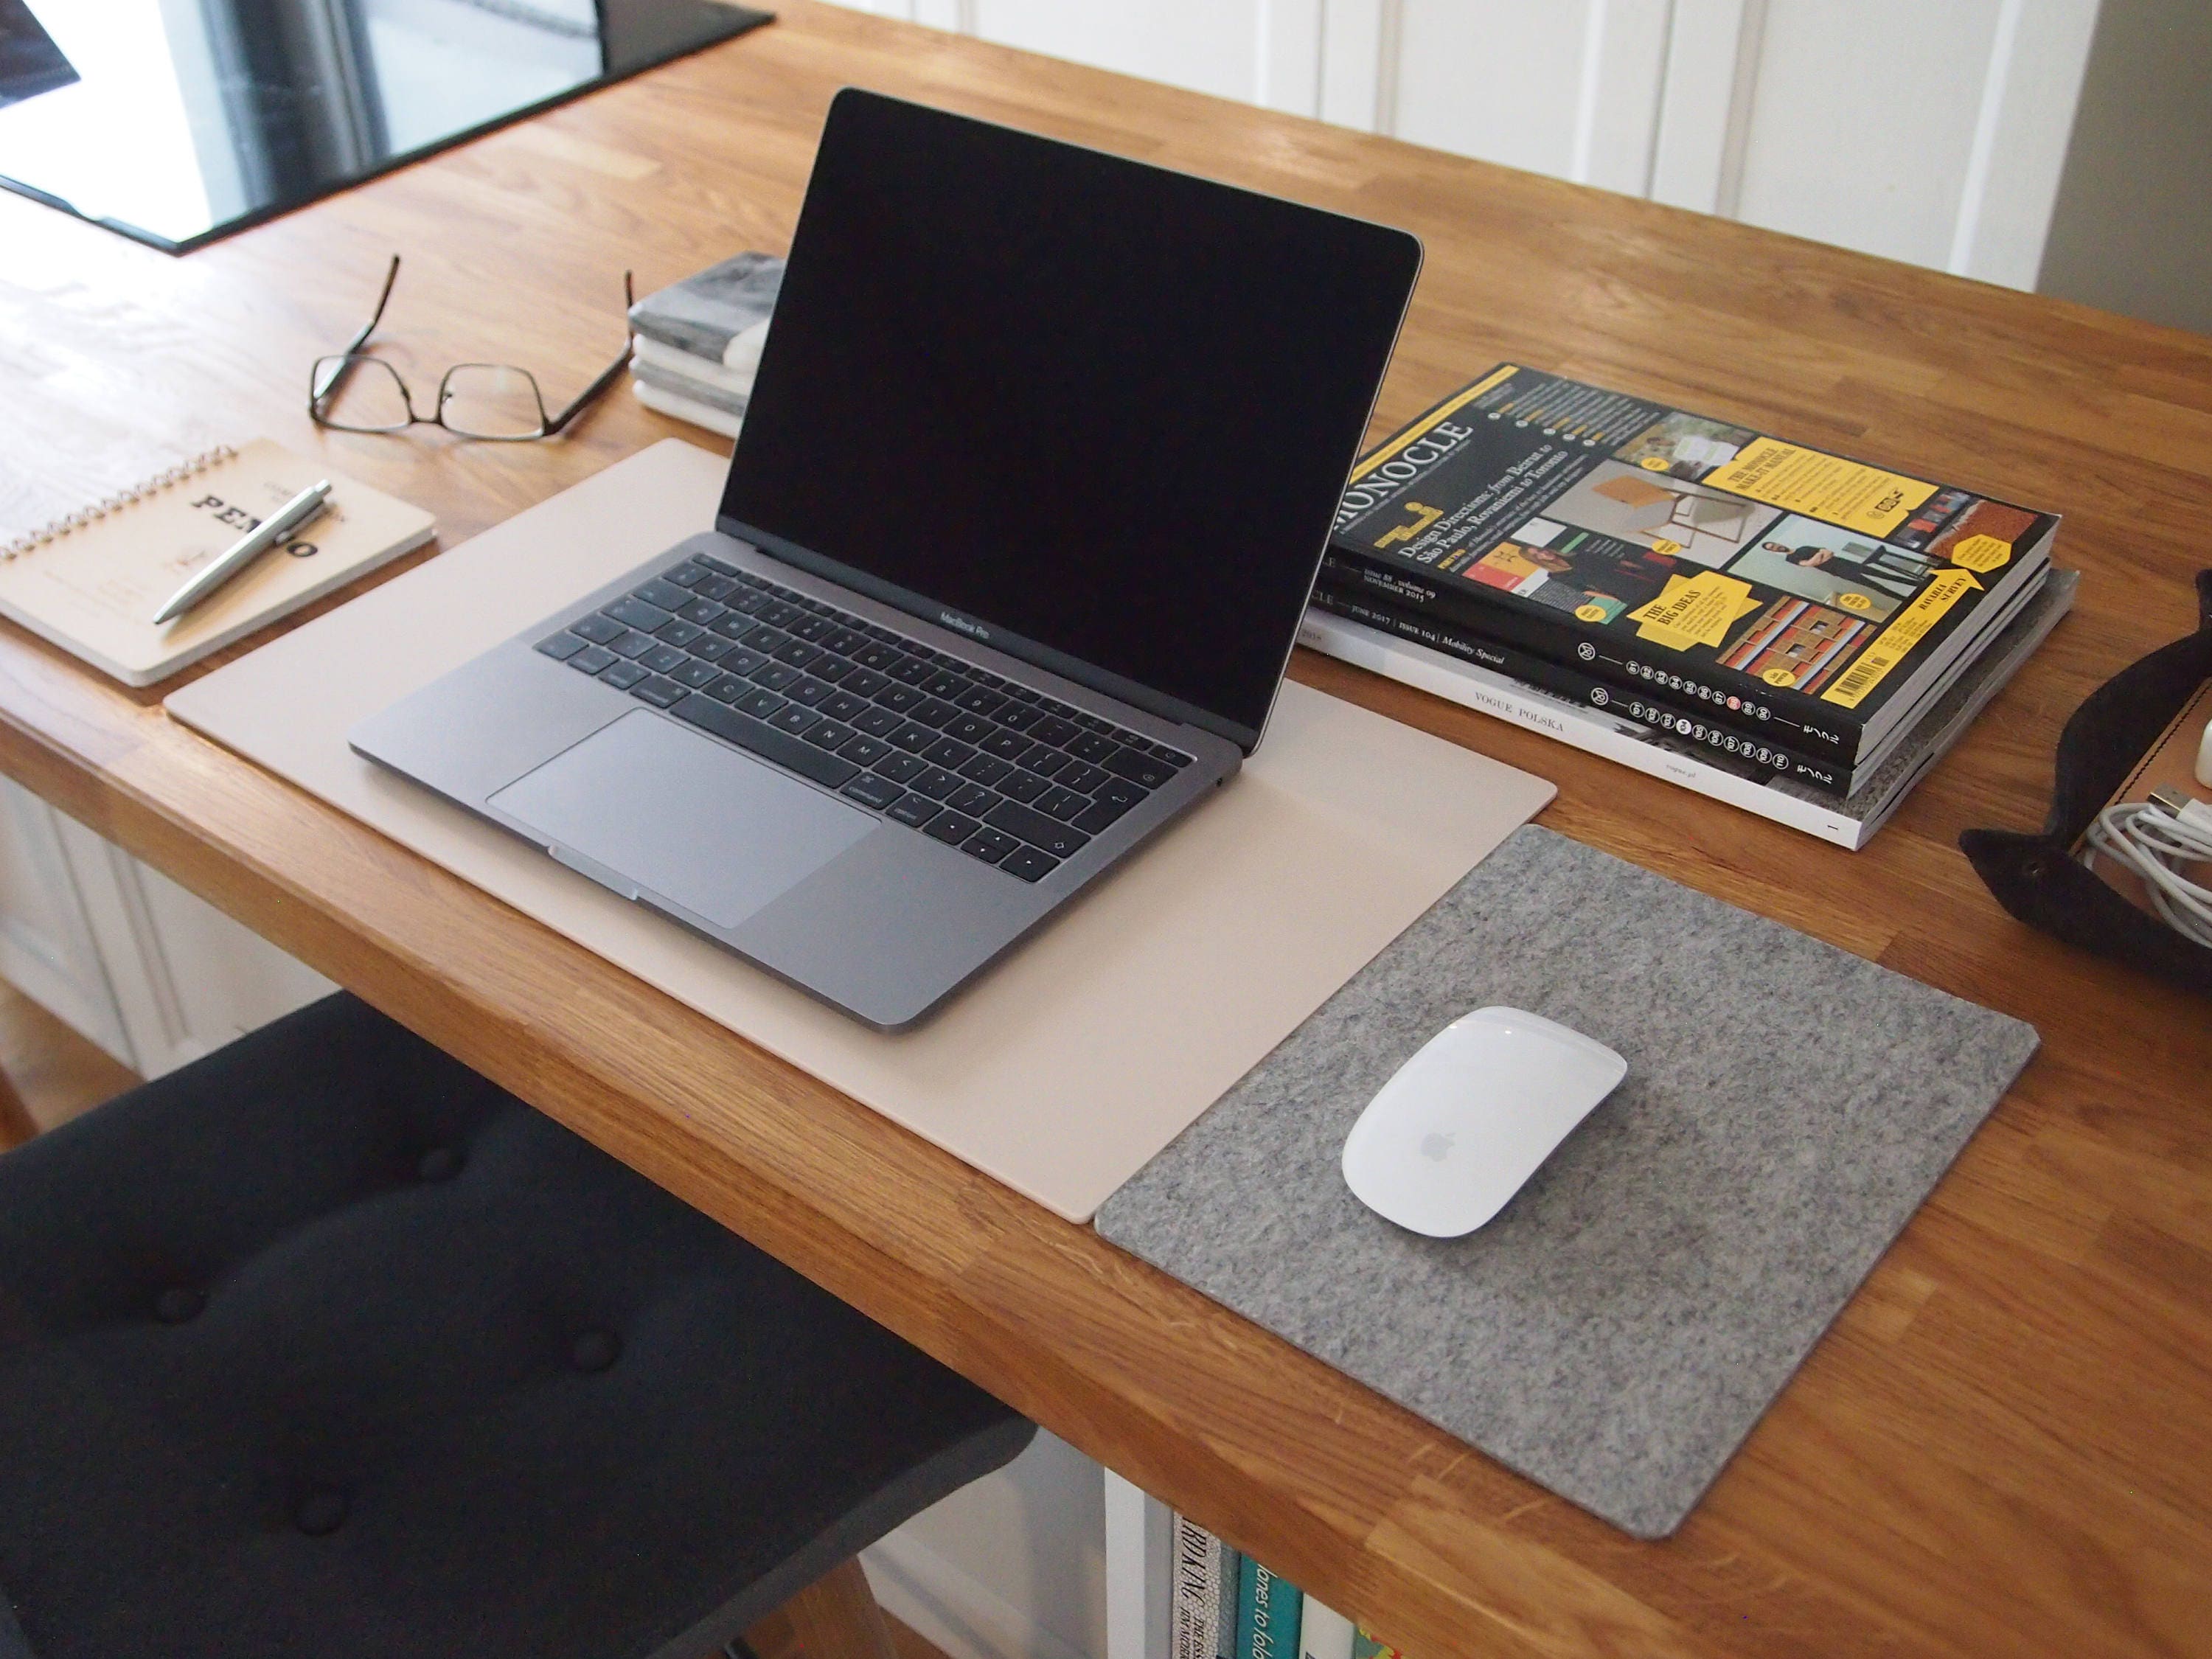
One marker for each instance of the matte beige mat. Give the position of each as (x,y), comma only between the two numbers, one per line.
(1086,1049)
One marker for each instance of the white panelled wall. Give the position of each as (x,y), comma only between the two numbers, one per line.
(1927,130)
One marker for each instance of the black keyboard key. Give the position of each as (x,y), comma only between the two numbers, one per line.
(719,585)
(933,781)
(1082,777)
(799,654)
(1017,716)
(901,697)
(739,659)
(696,675)
(827,667)
(872,791)
(1032,826)
(1088,746)
(985,768)
(1118,793)
(760,704)
(913,738)
(733,626)
(968,728)
(794,717)
(776,613)
(878,722)
(760,637)
(811,691)
(945,683)
(1023,694)
(843,706)
(1022,786)
(729,688)
(865,681)
(1099,815)
(747,601)
(1093,723)
(597,629)
(1053,730)
(1138,769)
(658,691)
(945,752)
(1007,745)
(1028,864)
(662,659)
(665,595)
(1173,758)
(714,563)
(951,828)
(989,845)
(637,613)
(713,648)
(685,574)
(1044,761)
(982,700)
(844,640)
(1061,803)
(932,711)
(678,632)
(813,629)
(867,751)
(875,656)
(632,644)
(592,658)
(900,768)
(622,676)
(562,646)
(972,799)
(775,675)
(877,631)
(907,671)
(916,809)
(831,771)
(827,734)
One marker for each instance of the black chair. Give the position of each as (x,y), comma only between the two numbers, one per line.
(325,1346)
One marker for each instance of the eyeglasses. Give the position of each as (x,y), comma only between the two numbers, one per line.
(353,392)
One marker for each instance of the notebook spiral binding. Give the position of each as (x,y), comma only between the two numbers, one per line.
(100,509)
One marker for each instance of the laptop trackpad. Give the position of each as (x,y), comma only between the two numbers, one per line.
(678,814)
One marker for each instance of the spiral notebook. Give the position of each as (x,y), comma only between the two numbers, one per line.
(91,582)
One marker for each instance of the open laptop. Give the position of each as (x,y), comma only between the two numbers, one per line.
(1041,455)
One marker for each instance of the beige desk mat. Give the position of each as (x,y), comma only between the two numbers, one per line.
(1075,1059)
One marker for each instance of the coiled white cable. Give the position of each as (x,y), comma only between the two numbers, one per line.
(2154,839)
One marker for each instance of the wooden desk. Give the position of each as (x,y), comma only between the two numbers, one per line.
(2003,1446)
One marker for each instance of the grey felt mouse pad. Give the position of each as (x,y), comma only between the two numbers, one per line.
(1617,1330)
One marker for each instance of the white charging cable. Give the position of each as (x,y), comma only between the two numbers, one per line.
(2154,839)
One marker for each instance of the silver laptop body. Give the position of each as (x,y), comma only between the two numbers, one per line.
(867,788)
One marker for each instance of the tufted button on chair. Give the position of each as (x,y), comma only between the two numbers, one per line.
(324,1347)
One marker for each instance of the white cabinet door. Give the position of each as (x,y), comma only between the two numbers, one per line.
(1929,133)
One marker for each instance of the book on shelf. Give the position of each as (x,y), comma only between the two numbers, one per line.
(1224,1605)
(1404,652)
(1805,599)
(1202,1564)
(1267,1609)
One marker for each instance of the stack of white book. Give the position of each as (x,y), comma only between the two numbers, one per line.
(697,345)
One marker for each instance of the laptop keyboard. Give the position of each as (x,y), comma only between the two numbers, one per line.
(1004,773)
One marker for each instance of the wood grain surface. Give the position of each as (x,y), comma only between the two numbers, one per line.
(2005,1444)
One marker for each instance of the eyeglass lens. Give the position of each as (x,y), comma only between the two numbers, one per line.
(491,400)
(364,394)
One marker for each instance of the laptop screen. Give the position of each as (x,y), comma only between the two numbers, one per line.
(1098,413)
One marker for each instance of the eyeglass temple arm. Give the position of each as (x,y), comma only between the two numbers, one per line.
(334,376)
(607,376)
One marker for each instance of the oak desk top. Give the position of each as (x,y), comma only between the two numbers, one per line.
(2004,1444)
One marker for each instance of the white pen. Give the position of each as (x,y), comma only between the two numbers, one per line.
(270,530)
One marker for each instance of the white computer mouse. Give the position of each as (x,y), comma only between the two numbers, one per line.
(1462,1124)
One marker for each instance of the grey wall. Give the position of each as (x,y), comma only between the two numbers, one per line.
(2133,229)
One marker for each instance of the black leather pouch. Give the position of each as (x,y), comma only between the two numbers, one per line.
(2036,879)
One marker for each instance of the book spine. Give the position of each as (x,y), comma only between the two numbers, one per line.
(1808,729)
(1494,695)
(1754,756)
(1323,1633)
(1266,1613)
(1367,1646)
(1225,1588)
(1194,1623)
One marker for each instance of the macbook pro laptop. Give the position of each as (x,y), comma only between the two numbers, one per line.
(1041,455)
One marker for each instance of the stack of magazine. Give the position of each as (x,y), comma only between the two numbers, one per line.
(1788,630)
(1227,1606)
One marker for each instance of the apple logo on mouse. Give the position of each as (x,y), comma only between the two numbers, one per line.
(1461,1125)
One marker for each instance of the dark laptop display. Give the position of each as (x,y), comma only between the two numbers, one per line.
(1098,414)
